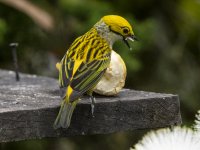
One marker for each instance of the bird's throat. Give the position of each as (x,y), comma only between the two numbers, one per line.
(104,31)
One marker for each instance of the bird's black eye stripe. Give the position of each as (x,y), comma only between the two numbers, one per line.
(114,31)
(124,29)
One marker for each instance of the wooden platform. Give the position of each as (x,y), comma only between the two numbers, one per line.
(28,109)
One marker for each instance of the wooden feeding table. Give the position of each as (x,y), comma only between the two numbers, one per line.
(29,107)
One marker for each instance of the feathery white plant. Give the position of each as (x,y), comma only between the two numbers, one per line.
(167,139)
(197,123)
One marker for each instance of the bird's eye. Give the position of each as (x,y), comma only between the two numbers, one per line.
(125,31)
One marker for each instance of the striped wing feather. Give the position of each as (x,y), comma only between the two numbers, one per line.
(85,78)
(83,65)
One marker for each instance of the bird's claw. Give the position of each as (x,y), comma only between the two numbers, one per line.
(92,110)
(92,105)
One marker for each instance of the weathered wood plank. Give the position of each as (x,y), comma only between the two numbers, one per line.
(28,109)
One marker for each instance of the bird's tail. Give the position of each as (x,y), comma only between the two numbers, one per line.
(64,116)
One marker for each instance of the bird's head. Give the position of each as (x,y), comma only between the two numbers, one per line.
(117,28)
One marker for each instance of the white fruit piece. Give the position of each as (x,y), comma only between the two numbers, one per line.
(114,78)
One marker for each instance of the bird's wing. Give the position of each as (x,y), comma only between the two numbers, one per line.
(81,76)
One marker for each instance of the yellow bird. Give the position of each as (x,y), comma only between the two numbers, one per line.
(85,62)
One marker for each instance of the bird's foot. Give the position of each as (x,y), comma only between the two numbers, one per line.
(92,105)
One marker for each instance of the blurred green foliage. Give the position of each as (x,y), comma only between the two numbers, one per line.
(2,30)
(166,58)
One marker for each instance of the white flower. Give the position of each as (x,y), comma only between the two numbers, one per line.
(197,122)
(167,139)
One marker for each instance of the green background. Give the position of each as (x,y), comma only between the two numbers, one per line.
(166,59)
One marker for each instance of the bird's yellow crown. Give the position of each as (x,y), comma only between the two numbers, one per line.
(118,25)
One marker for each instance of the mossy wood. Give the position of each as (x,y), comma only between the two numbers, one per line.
(29,107)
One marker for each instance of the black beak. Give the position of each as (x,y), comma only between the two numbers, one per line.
(131,38)
(134,38)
